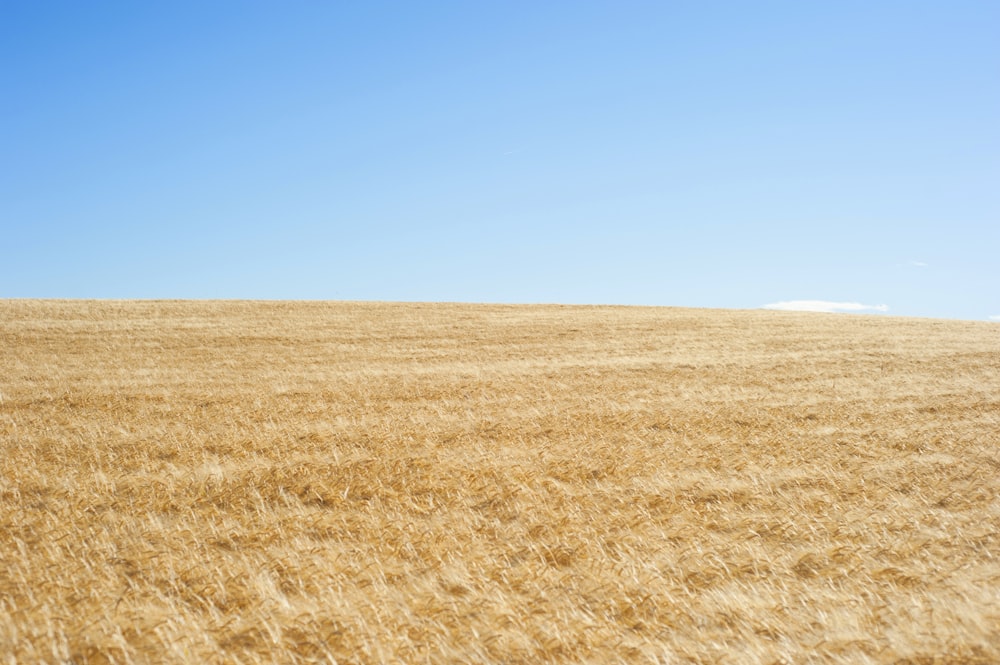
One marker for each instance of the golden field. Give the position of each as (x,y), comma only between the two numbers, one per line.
(277,482)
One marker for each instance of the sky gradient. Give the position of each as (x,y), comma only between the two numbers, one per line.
(700,154)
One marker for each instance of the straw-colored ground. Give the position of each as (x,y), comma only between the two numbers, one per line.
(381,483)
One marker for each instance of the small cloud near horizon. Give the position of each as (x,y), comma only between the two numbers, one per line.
(824,306)
(995,317)
(918,264)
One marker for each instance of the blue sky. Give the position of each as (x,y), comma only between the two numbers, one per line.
(706,154)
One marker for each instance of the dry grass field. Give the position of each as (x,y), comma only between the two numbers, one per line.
(236,482)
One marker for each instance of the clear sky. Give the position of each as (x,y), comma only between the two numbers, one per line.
(706,154)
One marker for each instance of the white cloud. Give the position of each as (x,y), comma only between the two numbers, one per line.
(824,306)
(995,317)
(918,264)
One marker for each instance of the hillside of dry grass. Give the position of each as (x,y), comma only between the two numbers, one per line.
(234,482)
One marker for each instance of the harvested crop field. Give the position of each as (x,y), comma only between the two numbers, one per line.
(258,482)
